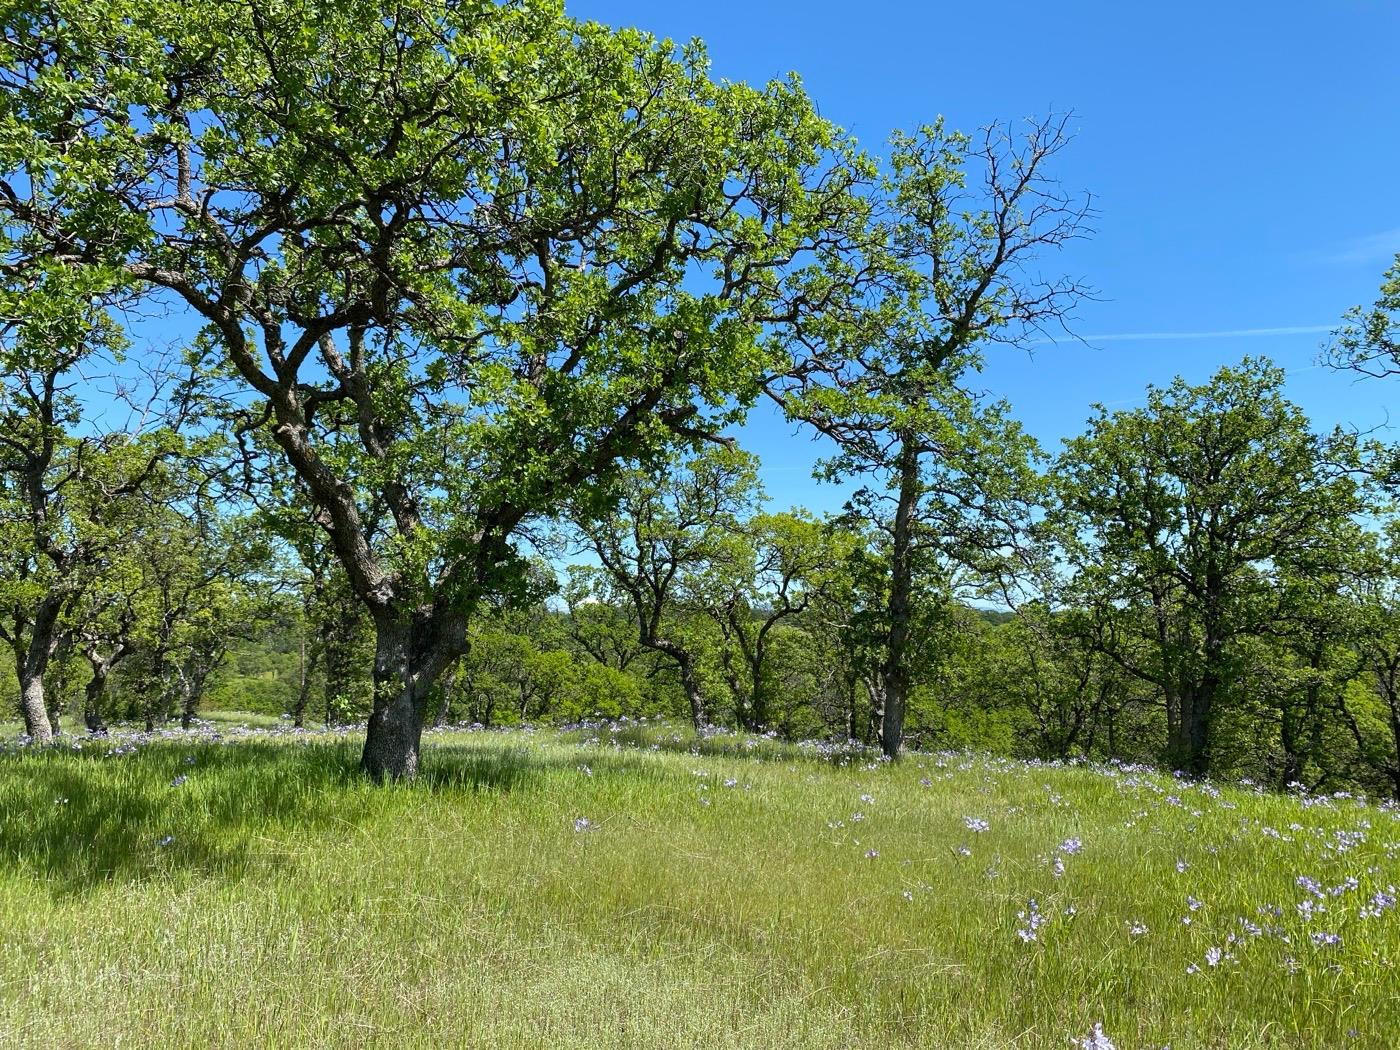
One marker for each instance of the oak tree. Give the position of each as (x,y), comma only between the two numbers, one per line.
(465,261)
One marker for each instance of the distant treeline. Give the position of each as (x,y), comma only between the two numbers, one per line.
(1203,583)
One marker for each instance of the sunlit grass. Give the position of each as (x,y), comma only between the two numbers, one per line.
(711,900)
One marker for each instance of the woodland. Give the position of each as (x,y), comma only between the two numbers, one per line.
(382,365)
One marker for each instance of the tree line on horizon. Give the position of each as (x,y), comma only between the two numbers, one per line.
(473,288)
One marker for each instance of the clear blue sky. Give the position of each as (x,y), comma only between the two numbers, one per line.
(1244,158)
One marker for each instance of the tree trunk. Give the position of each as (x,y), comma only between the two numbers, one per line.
(1178,736)
(1199,731)
(875,720)
(744,714)
(191,692)
(94,694)
(308,669)
(336,645)
(31,702)
(203,664)
(852,701)
(1198,728)
(690,678)
(31,663)
(759,714)
(1385,670)
(394,737)
(409,654)
(1300,733)
(894,671)
(1289,733)
(446,684)
(1198,701)
(1189,748)
(690,682)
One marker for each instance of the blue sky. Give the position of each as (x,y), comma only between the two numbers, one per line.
(1242,156)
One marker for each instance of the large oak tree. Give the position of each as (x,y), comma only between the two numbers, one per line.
(1183,521)
(463,260)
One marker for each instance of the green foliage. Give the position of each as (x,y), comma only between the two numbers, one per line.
(628,256)
(948,479)
(1368,340)
(662,549)
(463,270)
(1183,521)
(260,675)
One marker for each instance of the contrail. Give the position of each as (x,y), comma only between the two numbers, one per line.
(1233,333)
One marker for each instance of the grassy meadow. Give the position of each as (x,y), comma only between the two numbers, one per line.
(633,887)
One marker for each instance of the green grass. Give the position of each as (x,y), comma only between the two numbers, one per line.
(294,905)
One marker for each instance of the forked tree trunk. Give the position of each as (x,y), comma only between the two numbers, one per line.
(92,701)
(408,657)
(194,678)
(95,694)
(684,660)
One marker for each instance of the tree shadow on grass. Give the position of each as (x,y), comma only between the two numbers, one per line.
(78,819)
(497,767)
(176,808)
(493,762)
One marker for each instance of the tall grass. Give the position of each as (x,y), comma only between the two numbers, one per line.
(585,890)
